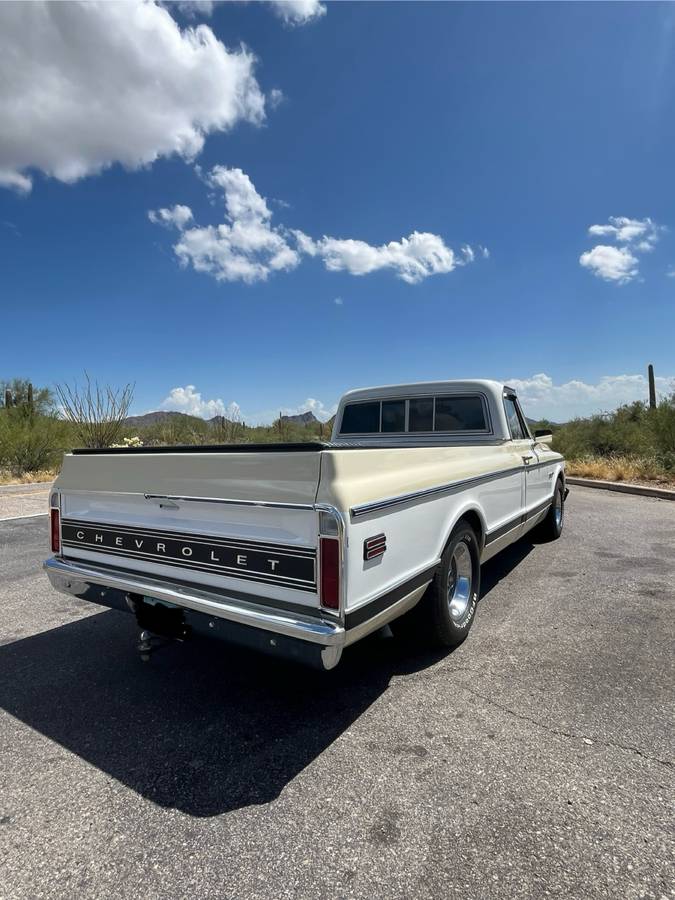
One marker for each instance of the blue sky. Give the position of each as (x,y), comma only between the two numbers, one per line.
(507,129)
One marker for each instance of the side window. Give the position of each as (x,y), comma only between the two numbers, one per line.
(516,425)
(523,420)
(361,418)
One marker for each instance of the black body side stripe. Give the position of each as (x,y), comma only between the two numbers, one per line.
(368,610)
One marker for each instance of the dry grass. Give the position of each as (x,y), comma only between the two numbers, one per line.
(635,469)
(28,477)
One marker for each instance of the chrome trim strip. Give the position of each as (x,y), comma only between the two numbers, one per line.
(364,509)
(74,579)
(268,504)
(546,462)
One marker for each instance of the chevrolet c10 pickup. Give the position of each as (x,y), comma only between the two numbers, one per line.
(300,550)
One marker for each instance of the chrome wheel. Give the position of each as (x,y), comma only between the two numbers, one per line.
(460,581)
(558,509)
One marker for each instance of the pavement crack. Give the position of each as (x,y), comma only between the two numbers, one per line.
(560,732)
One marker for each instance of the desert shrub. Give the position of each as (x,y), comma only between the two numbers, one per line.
(661,425)
(23,393)
(633,442)
(623,432)
(30,443)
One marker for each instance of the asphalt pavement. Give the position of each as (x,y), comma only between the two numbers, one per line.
(536,760)
(19,500)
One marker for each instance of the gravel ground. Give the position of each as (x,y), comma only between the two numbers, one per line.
(536,760)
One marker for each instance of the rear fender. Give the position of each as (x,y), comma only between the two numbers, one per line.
(470,510)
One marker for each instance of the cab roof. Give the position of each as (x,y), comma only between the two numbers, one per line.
(494,389)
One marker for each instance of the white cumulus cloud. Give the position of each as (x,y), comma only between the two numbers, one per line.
(298,12)
(177,216)
(620,264)
(188,400)
(610,263)
(412,259)
(541,397)
(85,85)
(248,247)
(318,407)
(627,231)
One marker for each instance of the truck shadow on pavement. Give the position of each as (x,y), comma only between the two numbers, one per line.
(203,728)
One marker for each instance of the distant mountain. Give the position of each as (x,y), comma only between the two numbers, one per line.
(304,419)
(219,420)
(156,418)
(542,422)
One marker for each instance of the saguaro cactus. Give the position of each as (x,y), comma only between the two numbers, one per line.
(652,387)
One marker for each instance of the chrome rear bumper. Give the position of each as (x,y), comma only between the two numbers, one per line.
(320,636)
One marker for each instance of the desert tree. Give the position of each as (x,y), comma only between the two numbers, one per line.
(229,428)
(96,411)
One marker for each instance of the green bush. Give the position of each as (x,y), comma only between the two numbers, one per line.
(632,430)
(30,443)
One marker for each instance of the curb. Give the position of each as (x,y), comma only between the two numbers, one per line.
(622,488)
(25,488)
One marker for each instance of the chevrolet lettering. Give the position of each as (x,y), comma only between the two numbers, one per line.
(299,550)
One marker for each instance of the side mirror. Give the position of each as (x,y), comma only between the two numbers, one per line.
(544,436)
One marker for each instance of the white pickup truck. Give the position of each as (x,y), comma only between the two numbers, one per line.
(301,549)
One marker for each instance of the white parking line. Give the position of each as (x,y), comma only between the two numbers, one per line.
(29,516)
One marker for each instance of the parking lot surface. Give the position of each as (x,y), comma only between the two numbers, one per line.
(536,760)
(23,500)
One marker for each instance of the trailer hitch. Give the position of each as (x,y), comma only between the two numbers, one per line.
(160,623)
(149,643)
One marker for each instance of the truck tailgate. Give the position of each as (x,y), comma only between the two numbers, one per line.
(234,521)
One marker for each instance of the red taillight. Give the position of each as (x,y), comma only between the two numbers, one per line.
(330,572)
(55,530)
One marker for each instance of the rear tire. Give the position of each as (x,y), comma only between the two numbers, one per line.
(550,528)
(445,613)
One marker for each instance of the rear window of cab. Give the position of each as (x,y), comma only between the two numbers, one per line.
(444,414)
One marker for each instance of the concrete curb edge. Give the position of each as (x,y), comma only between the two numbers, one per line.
(623,488)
